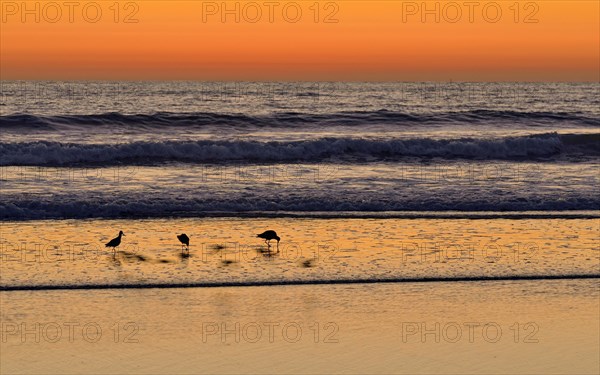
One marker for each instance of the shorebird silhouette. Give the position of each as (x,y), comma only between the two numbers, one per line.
(268,236)
(115,242)
(185,240)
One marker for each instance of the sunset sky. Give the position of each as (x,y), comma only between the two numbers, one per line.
(343,40)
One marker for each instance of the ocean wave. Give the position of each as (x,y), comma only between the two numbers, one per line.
(293,119)
(328,205)
(550,145)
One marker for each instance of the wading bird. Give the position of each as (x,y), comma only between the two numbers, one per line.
(115,242)
(185,240)
(268,236)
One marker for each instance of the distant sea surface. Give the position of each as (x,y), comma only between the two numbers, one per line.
(195,149)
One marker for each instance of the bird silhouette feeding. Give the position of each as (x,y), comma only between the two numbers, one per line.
(115,242)
(268,236)
(185,240)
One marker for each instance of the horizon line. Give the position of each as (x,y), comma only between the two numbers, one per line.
(284,81)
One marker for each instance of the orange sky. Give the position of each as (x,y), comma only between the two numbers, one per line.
(371,40)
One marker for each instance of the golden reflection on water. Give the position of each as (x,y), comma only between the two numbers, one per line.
(227,250)
(518,327)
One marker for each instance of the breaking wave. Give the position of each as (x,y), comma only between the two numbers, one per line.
(539,146)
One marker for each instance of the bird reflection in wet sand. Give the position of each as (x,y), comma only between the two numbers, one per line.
(127,256)
(267,253)
(115,261)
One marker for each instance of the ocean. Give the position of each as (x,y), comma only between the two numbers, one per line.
(194,149)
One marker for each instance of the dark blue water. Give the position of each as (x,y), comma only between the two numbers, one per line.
(181,148)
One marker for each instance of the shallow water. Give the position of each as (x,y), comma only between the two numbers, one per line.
(225,250)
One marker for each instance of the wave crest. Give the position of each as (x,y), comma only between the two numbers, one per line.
(291,119)
(206,151)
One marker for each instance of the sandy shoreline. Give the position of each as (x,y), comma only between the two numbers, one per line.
(504,327)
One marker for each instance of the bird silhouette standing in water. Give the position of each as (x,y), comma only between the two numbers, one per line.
(185,240)
(115,242)
(268,236)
